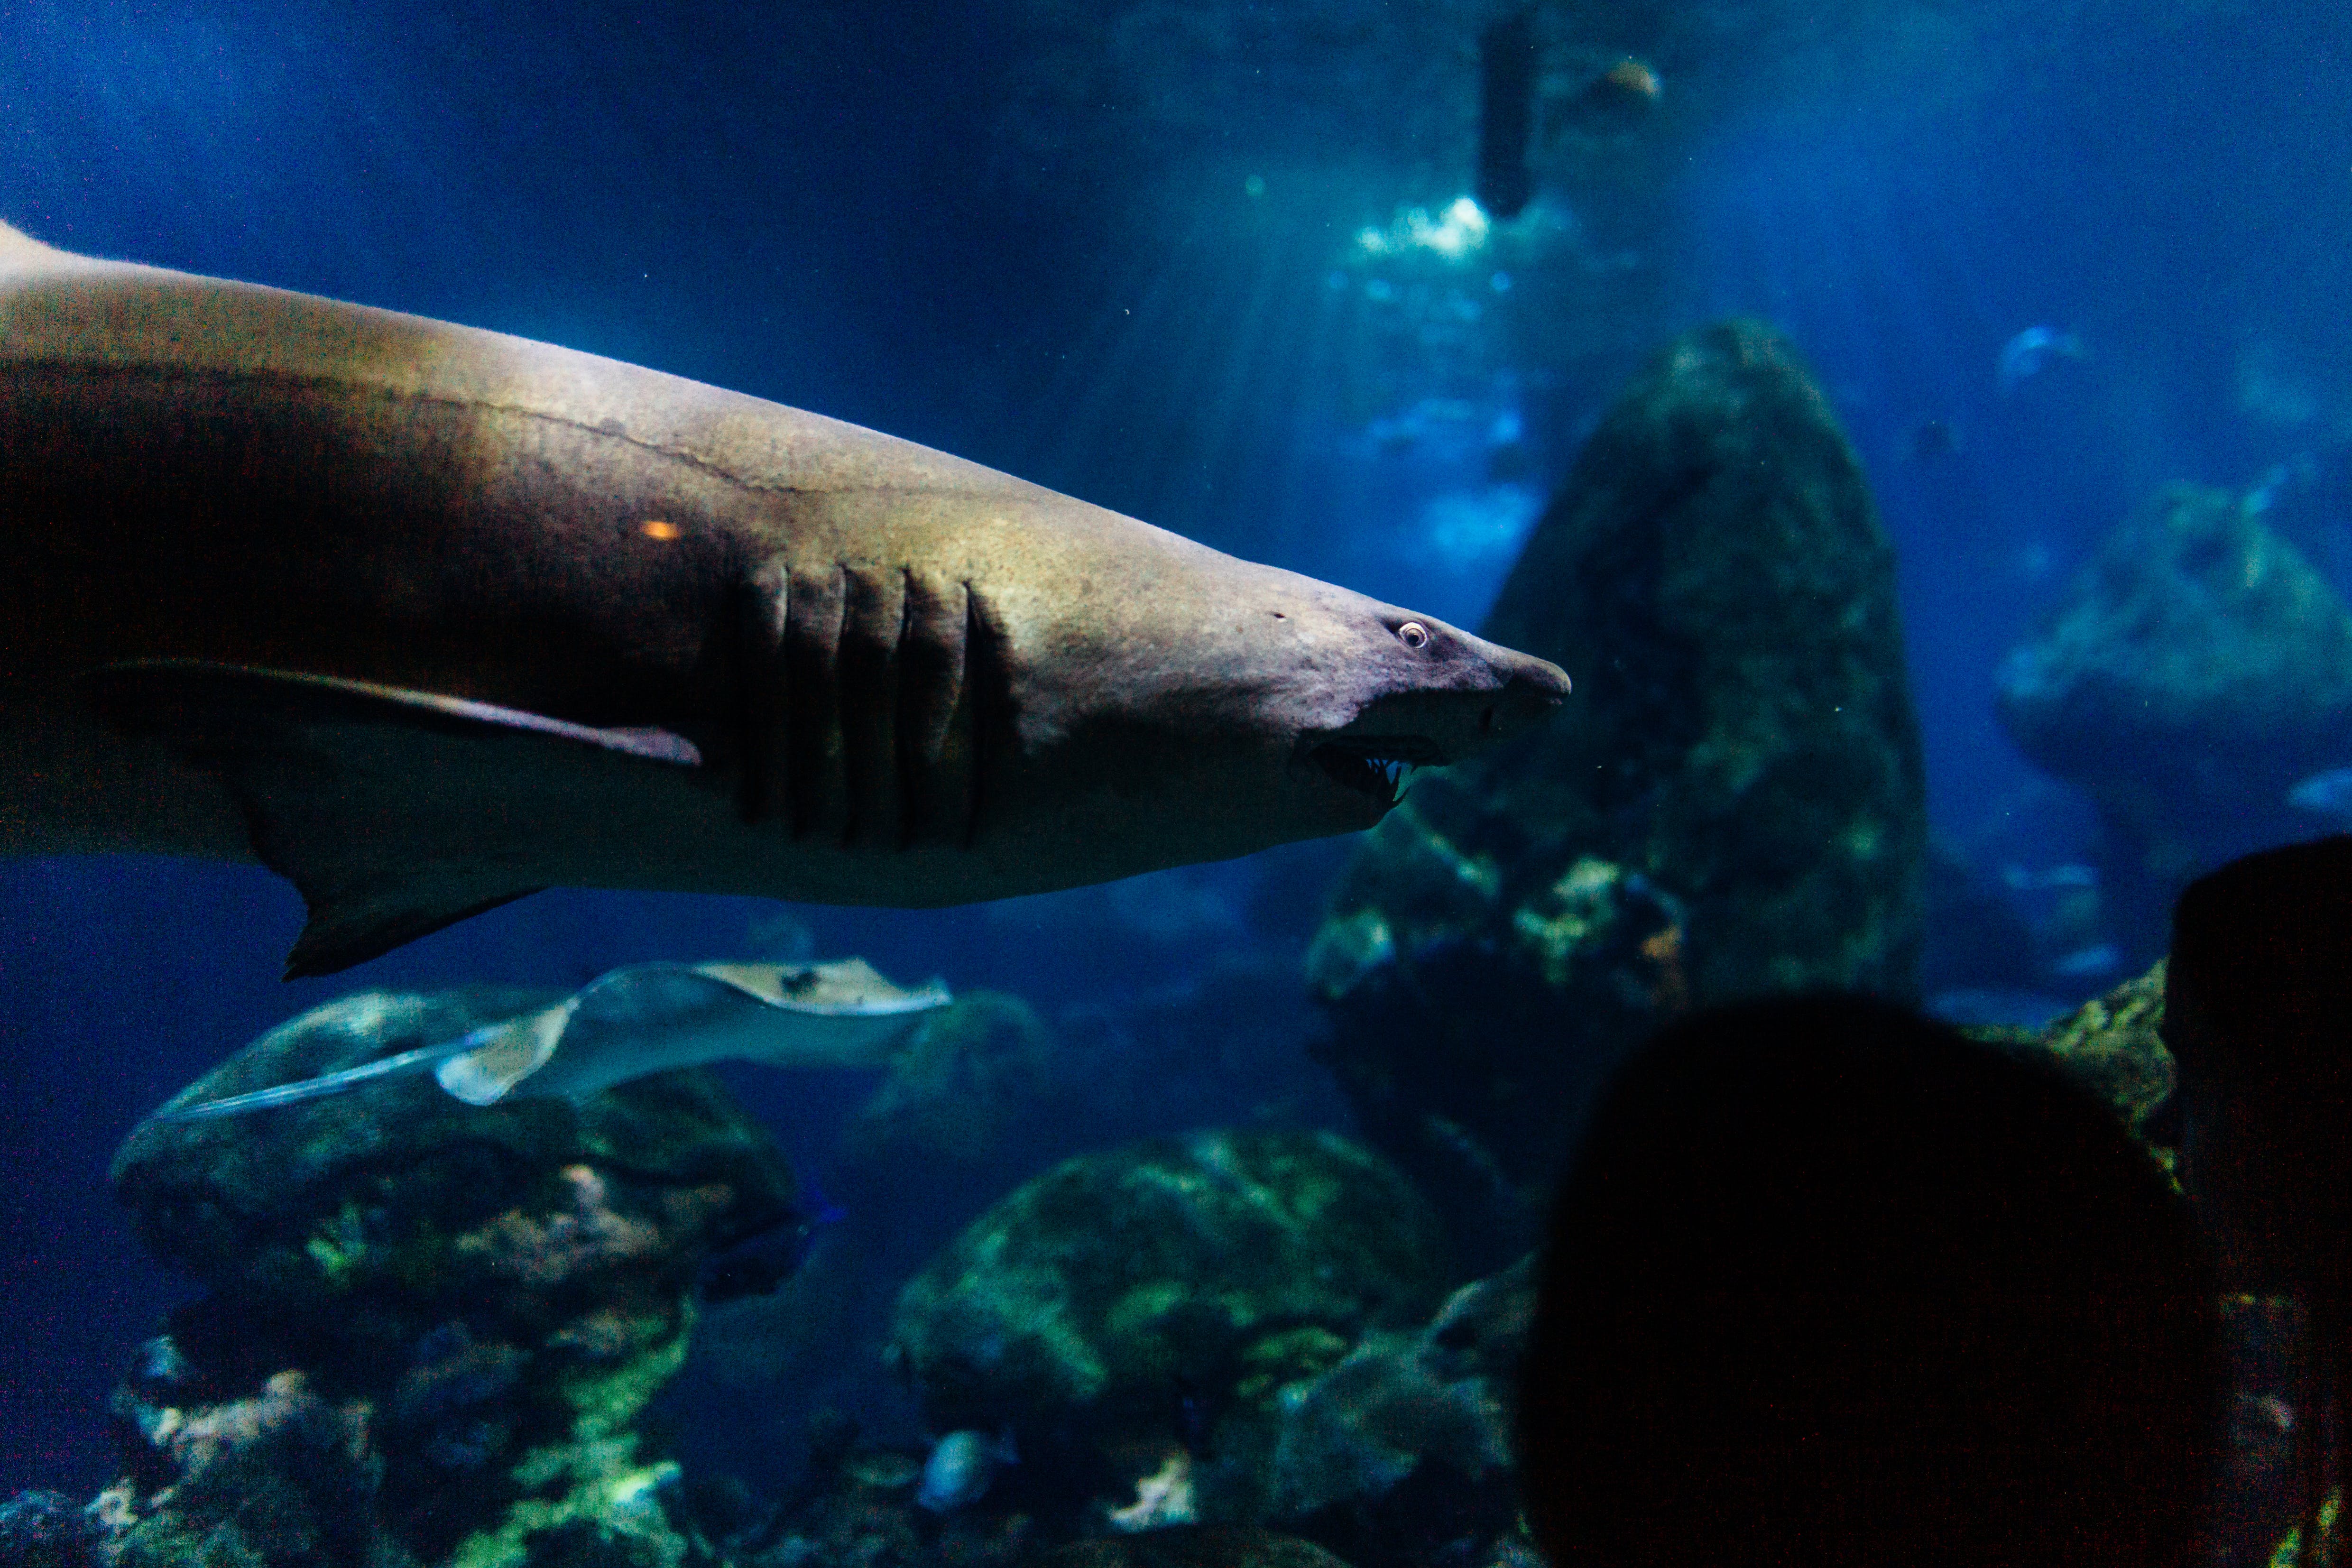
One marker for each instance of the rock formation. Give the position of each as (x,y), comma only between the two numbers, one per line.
(1731,804)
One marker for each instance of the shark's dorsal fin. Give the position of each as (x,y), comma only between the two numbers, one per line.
(394,812)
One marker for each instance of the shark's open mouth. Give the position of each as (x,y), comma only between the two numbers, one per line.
(1376,765)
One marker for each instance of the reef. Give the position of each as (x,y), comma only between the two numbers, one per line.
(1194,1546)
(46,1529)
(1137,1318)
(2112,1046)
(429,1330)
(1401,1452)
(1731,804)
(987,1095)
(2198,668)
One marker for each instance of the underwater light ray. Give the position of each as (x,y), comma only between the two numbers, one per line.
(1077,402)
(1281,383)
(1260,363)
(1293,485)
(1808,235)
(1173,450)
(1304,406)
(1898,309)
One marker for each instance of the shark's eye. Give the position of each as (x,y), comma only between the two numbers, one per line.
(1413,635)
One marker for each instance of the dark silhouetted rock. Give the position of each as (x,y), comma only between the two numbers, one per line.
(1731,805)
(2257,993)
(2200,668)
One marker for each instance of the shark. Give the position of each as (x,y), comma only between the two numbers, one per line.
(425,618)
(626,1024)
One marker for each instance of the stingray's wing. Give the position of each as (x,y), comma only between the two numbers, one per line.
(651,1017)
(496,1057)
(641,1019)
(844,987)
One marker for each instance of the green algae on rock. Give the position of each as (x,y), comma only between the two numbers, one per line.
(1085,1305)
(453,1314)
(280,1478)
(2112,1046)
(2199,668)
(1401,1454)
(1731,804)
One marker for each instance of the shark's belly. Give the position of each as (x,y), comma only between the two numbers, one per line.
(72,785)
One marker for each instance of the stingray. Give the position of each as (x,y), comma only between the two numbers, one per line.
(641,1019)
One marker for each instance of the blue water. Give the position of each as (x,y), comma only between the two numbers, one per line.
(801,202)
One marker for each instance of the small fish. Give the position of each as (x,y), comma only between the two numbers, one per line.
(2031,351)
(962,1468)
(1632,80)
(645,1018)
(2324,794)
(1613,101)
(1163,1498)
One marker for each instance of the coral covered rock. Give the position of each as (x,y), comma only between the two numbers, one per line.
(243,1199)
(431,1327)
(281,1476)
(1197,1546)
(1440,1394)
(987,1096)
(45,1530)
(2114,1046)
(1401,1452)
(2198,669)
(1731,804)
(1127,1304)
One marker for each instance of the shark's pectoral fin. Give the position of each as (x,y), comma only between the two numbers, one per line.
(350,923)
(394,812)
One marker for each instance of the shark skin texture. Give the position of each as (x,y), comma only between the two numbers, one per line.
(425,617)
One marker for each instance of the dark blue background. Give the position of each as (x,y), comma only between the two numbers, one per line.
(796,201)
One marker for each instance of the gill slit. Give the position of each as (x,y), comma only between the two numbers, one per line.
(978,677)
(762,694)
(843,770)
(905,759)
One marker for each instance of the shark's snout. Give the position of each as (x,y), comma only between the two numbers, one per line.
(1490,694)
(1533,689)
(1502,693)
